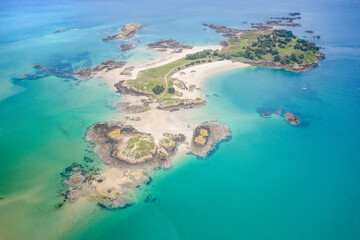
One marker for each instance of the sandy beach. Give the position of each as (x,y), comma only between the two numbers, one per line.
(157,122)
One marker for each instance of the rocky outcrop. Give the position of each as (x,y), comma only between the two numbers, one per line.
(206,136)
(226,32)
(126,47)
(128,31)
(168,44)
(292,119)
(104,66)
(123,88)
(126,107)
(122,146)
(181,105)
(131,155)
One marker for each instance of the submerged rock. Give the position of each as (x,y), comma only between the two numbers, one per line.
(206,136)
(107,66)
(126,47)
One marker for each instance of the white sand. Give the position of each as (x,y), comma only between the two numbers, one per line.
(157,122)
(167,56)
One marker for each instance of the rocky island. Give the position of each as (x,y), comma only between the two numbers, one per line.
(206,136)
(128,31)
(292,119)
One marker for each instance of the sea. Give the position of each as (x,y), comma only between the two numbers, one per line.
(271,180)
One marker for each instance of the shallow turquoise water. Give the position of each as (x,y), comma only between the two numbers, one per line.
(271,181)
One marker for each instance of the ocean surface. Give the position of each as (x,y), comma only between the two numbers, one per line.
(270,181)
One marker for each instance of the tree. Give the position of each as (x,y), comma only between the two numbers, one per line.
(158,89)
(277,58)
(171,90)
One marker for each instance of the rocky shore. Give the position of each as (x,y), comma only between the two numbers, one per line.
(292,68)
(131,156)
(168,44)
(181,105)
(206,136)
(226,32)
(108,65)
(123,88)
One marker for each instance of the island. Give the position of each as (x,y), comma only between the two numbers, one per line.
(128,31)
(158,94)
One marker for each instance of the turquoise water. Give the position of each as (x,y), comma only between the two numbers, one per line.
(271,181)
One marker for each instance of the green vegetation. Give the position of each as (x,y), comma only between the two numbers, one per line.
(271,46)
(158,89)
(139,146)
(129,27)
(171,90)
(148,79)
(158,76)
(202,54)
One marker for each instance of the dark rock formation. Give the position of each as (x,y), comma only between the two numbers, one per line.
(206,136)
(108,65)
(127,70)
(117,145)
(126,47)
(293,120)
(123,88)
(226,32)
(181,105)
(126,107)
(168,44)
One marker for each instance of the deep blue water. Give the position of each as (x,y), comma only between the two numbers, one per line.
(271,181)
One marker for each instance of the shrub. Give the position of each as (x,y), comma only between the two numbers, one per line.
(171,90)
(158,89)
(277,58)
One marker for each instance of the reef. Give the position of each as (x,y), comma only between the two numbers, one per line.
(292,119)
(168,44)
(128,31)
(108,65)
(226,32)
(206,136)
(126,47)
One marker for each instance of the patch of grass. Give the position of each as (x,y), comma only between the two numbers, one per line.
(148,79)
